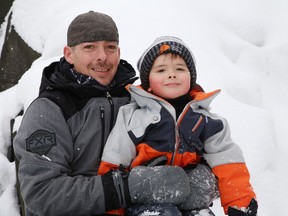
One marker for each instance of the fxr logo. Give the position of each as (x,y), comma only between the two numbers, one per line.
(40,142)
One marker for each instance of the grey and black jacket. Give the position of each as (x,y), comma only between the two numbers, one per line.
(61,138)
(148,128)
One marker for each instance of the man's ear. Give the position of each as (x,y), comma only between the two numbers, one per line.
(149,89)
(119,53)
(68,52)
(119,50)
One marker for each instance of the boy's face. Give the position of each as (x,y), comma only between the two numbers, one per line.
(98,60)
(169,77)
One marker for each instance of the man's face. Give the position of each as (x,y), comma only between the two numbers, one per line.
(98,59)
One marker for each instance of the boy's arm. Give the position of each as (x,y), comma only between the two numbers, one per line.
(119,148)
(228,164)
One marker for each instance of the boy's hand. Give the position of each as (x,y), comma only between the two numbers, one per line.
(250,211)
(203,186)
(159,184)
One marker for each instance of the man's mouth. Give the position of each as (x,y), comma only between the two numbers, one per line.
(105,70)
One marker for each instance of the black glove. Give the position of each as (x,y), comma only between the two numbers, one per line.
(116,191)
(203,186)
(250,211)
(160,184)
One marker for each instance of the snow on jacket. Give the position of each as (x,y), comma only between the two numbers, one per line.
(60,141)
(147,128)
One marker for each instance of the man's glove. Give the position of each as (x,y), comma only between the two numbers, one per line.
(251,210)
(203,186)
(116,191)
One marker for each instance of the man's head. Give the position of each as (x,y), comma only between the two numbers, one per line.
(92,46)
(163,46)
(92,26)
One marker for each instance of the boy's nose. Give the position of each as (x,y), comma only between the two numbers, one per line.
(172,76)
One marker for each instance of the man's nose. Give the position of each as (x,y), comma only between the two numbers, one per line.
(100,54)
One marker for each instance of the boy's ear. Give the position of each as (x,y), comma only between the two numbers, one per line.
(149,89)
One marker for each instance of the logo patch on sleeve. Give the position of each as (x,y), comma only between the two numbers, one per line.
(41,142)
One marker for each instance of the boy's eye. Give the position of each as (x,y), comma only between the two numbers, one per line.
(180,69)
(160,70)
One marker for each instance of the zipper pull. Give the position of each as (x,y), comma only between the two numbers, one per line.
(109,97)
(102,112)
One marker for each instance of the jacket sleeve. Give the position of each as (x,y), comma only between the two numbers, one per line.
(44,147)
(228,164)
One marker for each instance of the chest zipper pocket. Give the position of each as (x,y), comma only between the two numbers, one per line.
(198,123)
(195,133)
(102,118)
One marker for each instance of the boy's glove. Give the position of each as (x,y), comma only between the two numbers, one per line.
(160,184)
(203,186)
(250,211)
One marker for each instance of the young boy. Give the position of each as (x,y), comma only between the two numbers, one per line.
(169,116)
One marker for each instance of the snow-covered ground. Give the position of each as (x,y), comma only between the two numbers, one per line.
(240,47)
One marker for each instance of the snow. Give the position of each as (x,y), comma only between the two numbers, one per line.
(240,47)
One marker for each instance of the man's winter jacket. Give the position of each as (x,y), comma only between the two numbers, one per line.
(147,128)
(60,141)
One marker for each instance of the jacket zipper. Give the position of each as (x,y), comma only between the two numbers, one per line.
(102,117)
(177,140)
(109,98)
(177,122)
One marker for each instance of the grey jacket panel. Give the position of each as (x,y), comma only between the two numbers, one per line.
(60,159)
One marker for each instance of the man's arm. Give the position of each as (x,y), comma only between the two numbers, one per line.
(44,148)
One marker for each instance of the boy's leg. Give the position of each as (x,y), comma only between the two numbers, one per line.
(153,209)
(203,188)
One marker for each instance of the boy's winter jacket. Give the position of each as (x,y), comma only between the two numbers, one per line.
(60,141)
(147,128)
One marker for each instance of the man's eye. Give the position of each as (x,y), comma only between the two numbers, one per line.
(89,47)
(112,47)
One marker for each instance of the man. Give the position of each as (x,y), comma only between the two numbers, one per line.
(61,138)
